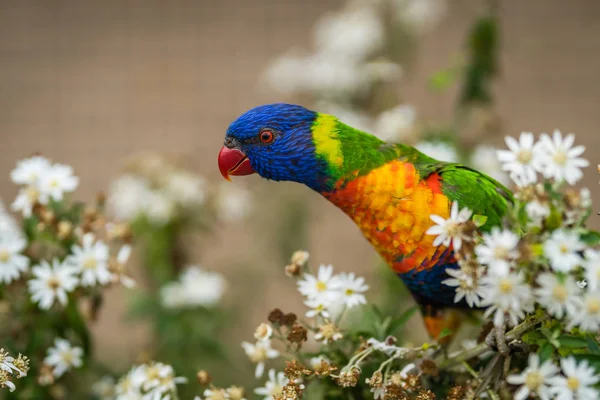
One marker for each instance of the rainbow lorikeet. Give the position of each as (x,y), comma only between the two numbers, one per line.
(389,190)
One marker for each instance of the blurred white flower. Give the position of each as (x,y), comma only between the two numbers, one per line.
(117,267)
(466,286)
(562,250)
(263,332)
(351,34)
(57,180)
(556,296)
(91,260)
(159,208)
(332,77)
(561,160)
(352,288)
(196,287)
(396,123)
(449,230)
(186,189)
(233,202)
(419,15)
(354,118)
(127,197)
(63,356)
(441,151)
(498,250)
(318,306)
(484,159)
(523,158)
(12,262)
(507,297)
(104,389)
(587,316)
(534,379)
(30,170)
(591,267)
(27,197)
(382,70)
(274,386)
(578,382)
(388,346)
(537,211)
(7,364)
(126,390)
(259,353)
(323,286)
(156,380)
(286,74)
(51,283)
(214,394)
(8,225)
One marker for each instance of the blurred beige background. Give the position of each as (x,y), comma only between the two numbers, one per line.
(88,83)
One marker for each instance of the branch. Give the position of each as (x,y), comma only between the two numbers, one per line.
(513,334)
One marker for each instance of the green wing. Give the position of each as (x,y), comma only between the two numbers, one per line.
(477,191)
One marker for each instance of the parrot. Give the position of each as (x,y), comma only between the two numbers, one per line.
(389,190)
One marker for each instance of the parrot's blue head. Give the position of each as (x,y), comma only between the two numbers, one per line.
(275,141)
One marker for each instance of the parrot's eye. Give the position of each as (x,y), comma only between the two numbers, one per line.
(266,136)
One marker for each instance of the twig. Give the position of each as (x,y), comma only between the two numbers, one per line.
(513,334)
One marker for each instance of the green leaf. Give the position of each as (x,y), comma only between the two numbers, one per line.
(445,332)
(545,352)
(534,338)
(590,237)
(442,80)
(399,321)
(592,345)
(572,342)
(479,220)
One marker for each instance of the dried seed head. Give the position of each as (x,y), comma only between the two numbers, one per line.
(429,367)
(394,392)
(324,369)
(425,394)
(412,381)
(293,270)
(203,377)
(263,332)
(375,381)
(276,317)
(457,393)
(299,258)
(294,371)
(235,393)
(64,229)
(289,319)
(298,335)
(348,378)
(291,391)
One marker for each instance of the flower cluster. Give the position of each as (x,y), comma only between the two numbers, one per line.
(157,189)
(196,287)
(12,368)
(60,358)
(153,380)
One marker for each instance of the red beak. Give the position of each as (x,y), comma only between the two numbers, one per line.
(234,162)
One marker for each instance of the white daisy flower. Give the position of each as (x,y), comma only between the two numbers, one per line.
(274,386)
(186,189)
(537,211)
(30,170)
(91,260)
(104,388)
(57,180)
(127,197)
(127,390)
(507,297)
(449,230)
(466,287)
(558,298)
(324,285)
(26,198)
(522,160)
(157,379)
(51,283)
(577,382)
(259,353)
(62,357)
(318,306)
(196,287)
(591,267)
(263,332)
(562,249)
(561,161)
(535,379)
(351,289)
(7,364)
(8,225)
(5,381)
(587,316)
(441,151)
(12,263)
(498,250)
(214,394)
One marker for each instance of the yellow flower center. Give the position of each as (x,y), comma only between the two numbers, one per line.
(560,157)
(506,286)
(593,306)
(524,156)
(4,256)
(534,380)
(54,183)
(564,249)
(53,283)
(32,193)
(348,292)
(67,357)
(152,373)
(276,391)
(501,252)
(321,286)
(259,355)
(90,263)
(573,383)
(560,293)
